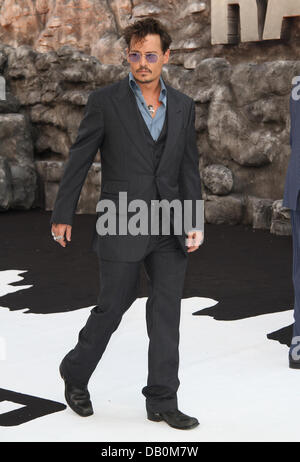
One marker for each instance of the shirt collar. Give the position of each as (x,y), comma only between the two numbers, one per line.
(135,87)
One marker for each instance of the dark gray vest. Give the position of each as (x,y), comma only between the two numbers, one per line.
(155,148)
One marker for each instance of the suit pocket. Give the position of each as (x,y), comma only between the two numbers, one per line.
(115,186)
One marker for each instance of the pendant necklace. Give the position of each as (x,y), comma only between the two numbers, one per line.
(151,108)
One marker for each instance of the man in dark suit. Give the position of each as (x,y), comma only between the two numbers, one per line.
(291,201)
(145,130)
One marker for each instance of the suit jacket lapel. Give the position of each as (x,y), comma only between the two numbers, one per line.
(175,123)
(126,110)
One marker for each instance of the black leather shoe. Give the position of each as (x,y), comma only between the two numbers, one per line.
(294,364)
(77,398)
(174,418)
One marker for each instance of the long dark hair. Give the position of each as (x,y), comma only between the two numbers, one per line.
(139,29)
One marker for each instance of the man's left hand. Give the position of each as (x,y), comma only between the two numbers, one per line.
(194,239)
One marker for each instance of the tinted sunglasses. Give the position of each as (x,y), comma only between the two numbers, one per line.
(135,57)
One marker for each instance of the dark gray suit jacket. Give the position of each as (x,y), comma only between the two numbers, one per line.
(292,180)
(110,123)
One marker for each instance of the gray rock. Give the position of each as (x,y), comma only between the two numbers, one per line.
(24,185)
(21,63)
(3,59)
(231,135)
(258,212)
(201,117)
(17,149)
(218,179)
(281,219)
(10,104)
(15,139)
(223,209)
(145,9)
(50,173)
(6,193)
(52,139)
(50,170)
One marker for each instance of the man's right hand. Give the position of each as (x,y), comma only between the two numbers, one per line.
(62,230)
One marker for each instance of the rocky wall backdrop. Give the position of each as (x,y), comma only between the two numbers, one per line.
(53,53)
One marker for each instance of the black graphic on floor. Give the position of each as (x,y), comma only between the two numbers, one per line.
(31,407)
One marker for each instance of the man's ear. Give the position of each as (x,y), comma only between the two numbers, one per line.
(166,56)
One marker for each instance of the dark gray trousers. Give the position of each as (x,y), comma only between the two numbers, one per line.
(165,265)
(295,222)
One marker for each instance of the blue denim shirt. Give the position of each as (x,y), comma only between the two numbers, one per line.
(154,124)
